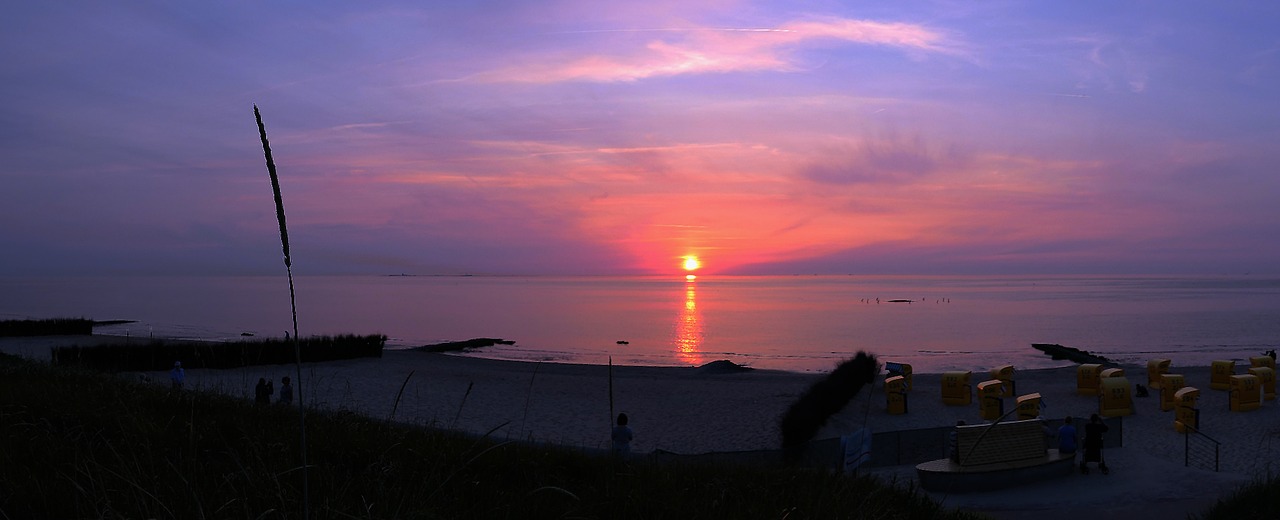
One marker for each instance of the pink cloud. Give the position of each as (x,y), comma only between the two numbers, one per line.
(986,198)
(909,36)
(804,193)
(701,50)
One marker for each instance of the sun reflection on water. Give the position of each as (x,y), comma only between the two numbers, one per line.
(689,327)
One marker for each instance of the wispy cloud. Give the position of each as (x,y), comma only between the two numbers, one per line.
(361,126)
(701,50)
(881,160)
(1113,61)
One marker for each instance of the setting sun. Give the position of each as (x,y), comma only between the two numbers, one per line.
(691,263)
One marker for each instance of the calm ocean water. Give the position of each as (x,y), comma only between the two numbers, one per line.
(797,323)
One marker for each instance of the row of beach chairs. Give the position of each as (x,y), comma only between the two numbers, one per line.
(1110,385)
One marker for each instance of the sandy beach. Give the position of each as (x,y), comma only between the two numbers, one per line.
(692,411)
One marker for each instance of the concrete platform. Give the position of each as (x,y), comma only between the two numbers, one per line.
(945,476)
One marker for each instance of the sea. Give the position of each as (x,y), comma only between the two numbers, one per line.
(792,323)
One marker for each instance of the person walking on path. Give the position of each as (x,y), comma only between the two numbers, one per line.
(622,436)
(1067,438)
(286,391)
(177,376)
(1093,445)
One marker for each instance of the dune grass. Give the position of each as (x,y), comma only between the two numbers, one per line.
(48,327)
(79,444)
(160,354)
(1258,501)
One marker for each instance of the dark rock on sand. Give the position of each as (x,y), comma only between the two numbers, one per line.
(1072,354)
(453,346)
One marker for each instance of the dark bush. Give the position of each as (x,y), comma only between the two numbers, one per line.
(826,397)
(50,327)
(160,355)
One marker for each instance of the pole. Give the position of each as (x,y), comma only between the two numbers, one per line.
(610,391)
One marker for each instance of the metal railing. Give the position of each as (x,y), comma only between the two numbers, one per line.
(1200,450)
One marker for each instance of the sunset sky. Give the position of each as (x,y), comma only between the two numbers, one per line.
(588,137)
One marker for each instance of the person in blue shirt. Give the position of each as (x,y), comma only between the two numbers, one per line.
(177,376)
(1067,438)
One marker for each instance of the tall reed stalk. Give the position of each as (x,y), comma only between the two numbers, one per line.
(396,404)
(293,306)
(527,397)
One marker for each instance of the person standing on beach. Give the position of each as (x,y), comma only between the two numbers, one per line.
(177,375)
(286,391)
(622,436)
(261,392)
(1093,445)
(1067,438)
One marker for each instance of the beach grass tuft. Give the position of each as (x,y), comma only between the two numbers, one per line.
(293,307)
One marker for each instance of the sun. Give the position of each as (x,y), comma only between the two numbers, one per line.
(691,263)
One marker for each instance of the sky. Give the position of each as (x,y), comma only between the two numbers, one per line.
(594,138)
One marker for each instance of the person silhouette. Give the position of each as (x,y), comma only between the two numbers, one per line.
(1067,437)
(286,391)
(177,375)
(262,392)
(622,436)
(1093,445)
